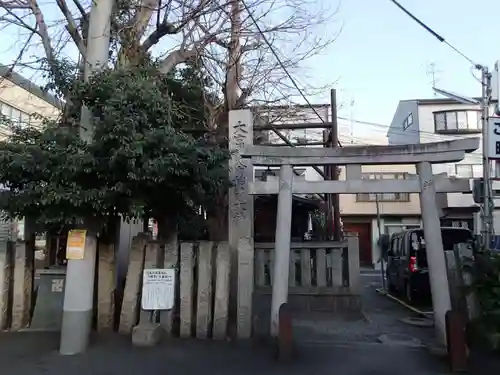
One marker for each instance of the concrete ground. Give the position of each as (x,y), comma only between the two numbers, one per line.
(25,354)
(380,316)
(341,346)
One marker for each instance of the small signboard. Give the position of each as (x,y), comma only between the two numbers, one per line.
(158,289)
(494,138)
(75,248)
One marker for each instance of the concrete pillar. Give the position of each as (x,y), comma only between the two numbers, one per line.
(79,290)
(170,260)
(79,300)
(106,287)
(240,225)
(434,247)
(5,271)
(23,274)
(282,246)
(148,332)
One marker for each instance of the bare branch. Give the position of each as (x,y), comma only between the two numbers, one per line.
(42,30)
(18,58)
(72,26)
(142,17)
(183,55)
(15,4)
(171,28)
(81,9)
(75,35)
(18,21)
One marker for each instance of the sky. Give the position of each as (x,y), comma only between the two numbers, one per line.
(382,56)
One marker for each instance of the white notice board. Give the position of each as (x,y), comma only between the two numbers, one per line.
(493,150)
(158,289)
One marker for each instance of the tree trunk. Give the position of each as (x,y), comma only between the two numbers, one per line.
(167,228)
(217,220)
(233,73)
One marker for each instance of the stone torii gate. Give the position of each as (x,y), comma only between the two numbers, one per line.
(353,157)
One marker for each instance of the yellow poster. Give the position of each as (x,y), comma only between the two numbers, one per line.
(75,248)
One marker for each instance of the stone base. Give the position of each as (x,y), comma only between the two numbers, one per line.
(146,334)
(285,335)
(336,304)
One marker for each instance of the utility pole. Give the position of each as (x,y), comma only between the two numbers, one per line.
(485,113)
(79,288)
(334,198)
(379,226)
(484,103)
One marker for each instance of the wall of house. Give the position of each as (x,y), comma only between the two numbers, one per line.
(388,225)
(26,101)
(393,216)
(427,134)
(397,134)
(350,206)
(426,119)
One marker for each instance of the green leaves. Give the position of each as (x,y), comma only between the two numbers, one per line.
(139,162)
(487,288)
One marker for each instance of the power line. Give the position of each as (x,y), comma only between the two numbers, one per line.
(382,129)
(400,131)
(427,28)
(273,51)
(422,133)
(434,34)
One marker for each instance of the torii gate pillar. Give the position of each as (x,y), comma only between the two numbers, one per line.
(282,246)
(441,301)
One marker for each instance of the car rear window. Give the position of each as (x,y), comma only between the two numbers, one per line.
(451,237)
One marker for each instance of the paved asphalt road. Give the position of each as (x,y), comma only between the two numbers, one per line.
(347,348)
(35,353)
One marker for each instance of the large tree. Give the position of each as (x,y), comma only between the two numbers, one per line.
(220,34)
(139,164)
(235,42)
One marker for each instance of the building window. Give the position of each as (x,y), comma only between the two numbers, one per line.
(408,121)
(16,116)
(461,121)
(458,223)
(469,170)
(384,197)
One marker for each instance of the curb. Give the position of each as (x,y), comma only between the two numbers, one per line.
(402,303)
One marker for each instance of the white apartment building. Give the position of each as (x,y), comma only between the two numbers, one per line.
(433,120)
(23,101)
